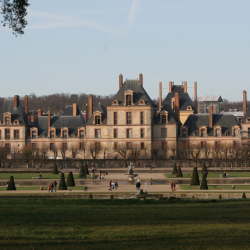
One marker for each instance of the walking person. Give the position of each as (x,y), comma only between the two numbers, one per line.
(55,185)
(151,181)
(116,185)
(174,186)
(138,185)
(93,169)
(113,185)
(51,187)
(110,183)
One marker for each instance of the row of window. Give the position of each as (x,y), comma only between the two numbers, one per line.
(52,134)
(6,135)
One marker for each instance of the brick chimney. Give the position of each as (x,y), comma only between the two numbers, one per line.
(170,87)
(210,116)
(195,97)
(39,112)
(90,105)
(141,80)
(177,106)
(16,98)
(120,80)
(160,96)
(74,109)
(185,87)
(48,118)
(26,108)
(244,102)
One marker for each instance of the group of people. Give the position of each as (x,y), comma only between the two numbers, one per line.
(113,185)
(173,186)
(52,186)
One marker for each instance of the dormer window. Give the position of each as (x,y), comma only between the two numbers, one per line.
(163,119)
(81,132)
(52,134)
(115,102)
(141,102)
(33,133)
(203,131)
(183,131)
(16,122)
(248,119)
(128,97)
(217,132)
(189,108)
(236,131)
(64,132)
(97,119)
(7,118)
(163,116)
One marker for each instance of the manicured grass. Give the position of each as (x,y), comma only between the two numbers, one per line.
(44,187)
(124,224)
(216,187)
(44,176)
(212,175)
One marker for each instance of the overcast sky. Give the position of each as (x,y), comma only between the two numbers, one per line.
(81,46)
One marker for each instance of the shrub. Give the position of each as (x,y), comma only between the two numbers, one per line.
(204,183)
(70,180)
(174,169)
(55,171)
(89,196)
(62,184)
(179,173)
(220,197)
(81,171)
(11,184)
(111,196)
(86,169)
(204,168)
(244,196)
(195,177)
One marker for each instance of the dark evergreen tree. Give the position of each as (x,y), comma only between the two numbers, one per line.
(244,196)
(174,169)
(62,184)
(195,177)
(204,168)
(204,183)
(11,184)
(111,196)
(86,169)
(179,173)
(55,171)
(220,197)
(70,180)
(82,171)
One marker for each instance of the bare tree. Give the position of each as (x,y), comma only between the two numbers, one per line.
(246,154)
(3,154)
(195,152)
(82,151)
(105,153)
(134,154)
(27,153)
(144,154)
(155,152)
(74,152)
(63,151)
(44,150)
(226,153)
(95,150)
(123,152)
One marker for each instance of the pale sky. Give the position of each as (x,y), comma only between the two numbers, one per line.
(81,46)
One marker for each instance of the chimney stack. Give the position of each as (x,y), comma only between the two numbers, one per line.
(140,80)
(16,98)
(48,118)
(177,106)
(160,96)
(185,87)
(120,80)
(74,109)
(26,108)
(39,112)
(195,97)
(244,102)
(170,87)
(210,116)
(90,105)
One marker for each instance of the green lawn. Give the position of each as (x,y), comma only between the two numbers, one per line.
(124,224)
(216,187)
(44,176)
(212,175)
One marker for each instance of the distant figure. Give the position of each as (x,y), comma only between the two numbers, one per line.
(224,175)
(39,176)
(113,185)
(116,185)
(233,187)
(174,186)
(55,185)
(151,181)
(100,176)
(85,188)
(138,184)
(41,188)
(51,187)
(110,183)
(93,169)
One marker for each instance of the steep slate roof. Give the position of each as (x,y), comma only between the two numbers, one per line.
(185,99)
(210,98)
(139,93)
(226,122)
(101,109)
(171,115)
(16,113)
(247,115)
(66,120)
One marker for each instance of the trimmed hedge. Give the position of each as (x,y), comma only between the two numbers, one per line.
(82,171)
(174,169)
(11,184)
(62,184)
(179,173)
(204,183)
(55,171)
(86,169)
(70,180)
(195,177)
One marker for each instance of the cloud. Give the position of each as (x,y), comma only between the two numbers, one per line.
(45,20)
(132,12)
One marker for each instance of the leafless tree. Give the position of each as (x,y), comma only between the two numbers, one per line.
(4,152)
(105,154)
(74,152)
(94,151)
(123,152)
(134,154)
(144,157)
(195,152)
(63,151)
(44,150)
(28,154)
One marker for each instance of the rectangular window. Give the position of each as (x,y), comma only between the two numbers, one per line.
(129,145)
(163,132)
(128,118)
(129,133)
(52,146)
(203,132)
(142,133)
(217,144)
(142,145)
(16,134)
(7,134)
(115,133)
(64,145)
(98,145)
(81,145)
(65,134)
(217,132)
(33,145)
(97,133)
(97,119)
(128,99)
(81,133)
(184,132)
(163,119)
(52,134)
(115,118)
(34,134)
(7,120)
(115,145)
(236,132)
(142,118)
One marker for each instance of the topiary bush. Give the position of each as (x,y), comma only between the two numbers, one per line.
(86,169)
(70,180)
(89,196)
(55,171)
(244,196)
(11,184)
(81,170)
(179,173)
(111,196)
(204,183)
(204,168)
(220,197)
(62,184)
(195,177)
(174,169)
